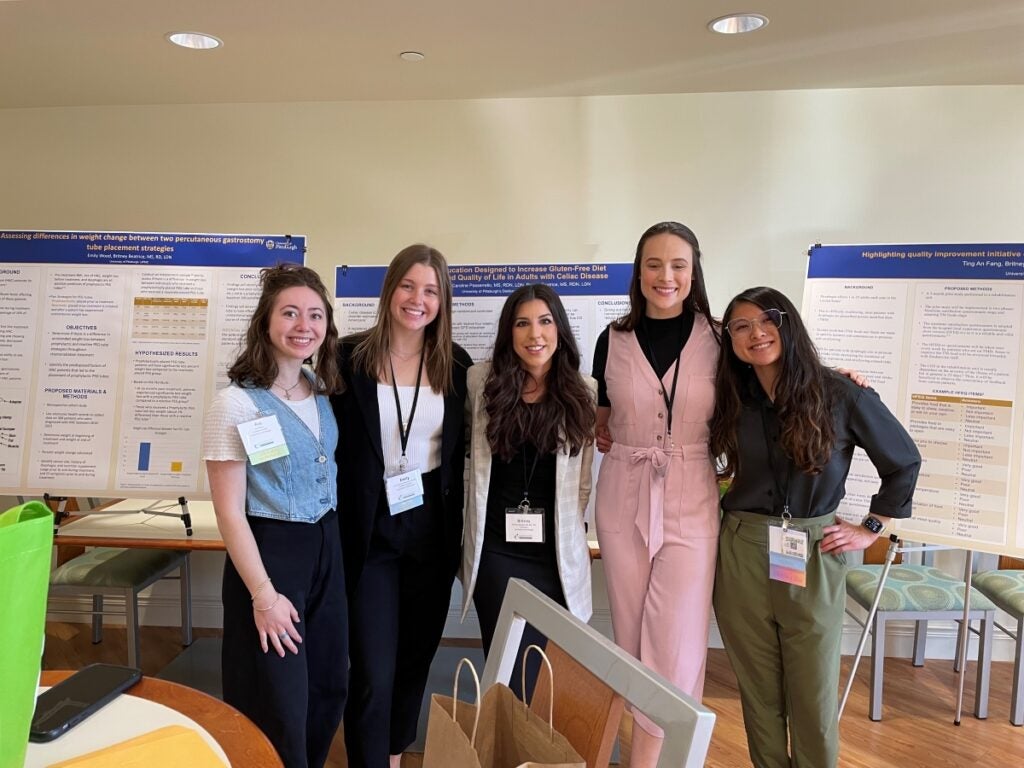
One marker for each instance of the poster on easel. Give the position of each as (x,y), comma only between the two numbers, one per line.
(938,330)
(593,295)
(112,344)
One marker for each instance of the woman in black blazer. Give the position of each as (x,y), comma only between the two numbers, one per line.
(401,453)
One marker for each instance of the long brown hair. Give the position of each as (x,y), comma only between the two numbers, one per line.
(804,392)
(256,365)
(697,300)
(373,346)
(564,419)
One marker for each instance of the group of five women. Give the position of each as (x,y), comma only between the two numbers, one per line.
(338,487)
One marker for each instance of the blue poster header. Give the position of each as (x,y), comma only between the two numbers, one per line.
(473,280)
(999,261)
(165,249)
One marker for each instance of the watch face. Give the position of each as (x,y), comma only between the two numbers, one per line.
(873,524)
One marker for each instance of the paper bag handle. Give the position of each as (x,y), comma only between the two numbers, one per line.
(551,680)
(455,695)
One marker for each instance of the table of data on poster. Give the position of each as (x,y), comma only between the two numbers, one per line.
(112,345)
(938,331)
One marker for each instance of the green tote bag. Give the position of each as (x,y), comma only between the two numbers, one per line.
(26,541)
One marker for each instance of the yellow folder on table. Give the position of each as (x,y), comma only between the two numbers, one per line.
(170,747)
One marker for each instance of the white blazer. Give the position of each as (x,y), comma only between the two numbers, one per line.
(572,491)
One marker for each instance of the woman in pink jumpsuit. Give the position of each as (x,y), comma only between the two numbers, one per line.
(657,498)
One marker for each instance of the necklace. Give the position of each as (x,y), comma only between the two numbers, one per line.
(405,355)
(288,390)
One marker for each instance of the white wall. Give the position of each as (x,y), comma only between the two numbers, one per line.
(759,176)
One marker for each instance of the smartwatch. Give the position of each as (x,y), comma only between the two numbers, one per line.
(873,524)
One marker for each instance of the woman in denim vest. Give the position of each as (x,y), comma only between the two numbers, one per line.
(269,442)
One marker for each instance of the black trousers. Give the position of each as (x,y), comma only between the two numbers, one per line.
(398,610)
(496,568)
(296,701)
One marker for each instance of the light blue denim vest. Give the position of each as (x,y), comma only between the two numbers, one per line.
(302,486)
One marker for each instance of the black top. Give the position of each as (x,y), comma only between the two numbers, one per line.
(861,420)
(666,337)
(505,489)
(361,462)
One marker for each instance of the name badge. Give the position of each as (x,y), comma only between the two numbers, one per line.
(524,524)
(404,490)
(787,555)
(263,439)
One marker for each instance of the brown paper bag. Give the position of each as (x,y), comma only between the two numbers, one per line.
(452,730)
(507,733)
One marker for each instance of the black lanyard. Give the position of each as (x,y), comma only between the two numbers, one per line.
(528,479)
(771,465)
(405,430)
(669,399)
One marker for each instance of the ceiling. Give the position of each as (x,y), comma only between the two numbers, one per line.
(107,52)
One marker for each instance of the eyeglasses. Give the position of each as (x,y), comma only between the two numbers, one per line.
(743,327)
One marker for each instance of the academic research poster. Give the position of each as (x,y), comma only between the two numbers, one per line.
(593,296)
(938,331)
(112,345)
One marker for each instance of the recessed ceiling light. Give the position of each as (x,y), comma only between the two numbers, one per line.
(411,56)
(737,23)
(198,41)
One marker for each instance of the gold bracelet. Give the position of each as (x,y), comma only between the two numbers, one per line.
(259,589)
(269,607)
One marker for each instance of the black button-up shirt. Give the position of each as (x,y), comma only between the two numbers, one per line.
(767,476)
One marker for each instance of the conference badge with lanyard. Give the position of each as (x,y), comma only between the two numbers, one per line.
(524,523)
(404,485)
(787,547)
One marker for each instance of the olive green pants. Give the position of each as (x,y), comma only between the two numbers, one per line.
(783,642)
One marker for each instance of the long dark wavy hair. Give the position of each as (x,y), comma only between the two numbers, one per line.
(696,302)
(372,347)
(564,418)
(803,392)
(256,365)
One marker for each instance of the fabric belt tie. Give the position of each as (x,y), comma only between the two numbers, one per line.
(650,515)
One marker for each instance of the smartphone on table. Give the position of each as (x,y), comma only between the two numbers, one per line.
(68,703)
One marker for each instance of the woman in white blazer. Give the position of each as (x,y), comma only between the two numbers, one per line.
(532,418)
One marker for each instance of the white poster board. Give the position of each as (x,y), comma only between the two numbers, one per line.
(112,345)
(938,331)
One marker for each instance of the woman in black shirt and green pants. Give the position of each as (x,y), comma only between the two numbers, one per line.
(786,427)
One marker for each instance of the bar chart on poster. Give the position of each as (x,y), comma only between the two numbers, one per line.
(593,296)
(938,331)
(112,344)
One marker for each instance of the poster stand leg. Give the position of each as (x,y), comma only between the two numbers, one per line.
(62,509)
(890,557)
(963,638)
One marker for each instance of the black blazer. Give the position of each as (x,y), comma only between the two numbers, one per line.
(361,461)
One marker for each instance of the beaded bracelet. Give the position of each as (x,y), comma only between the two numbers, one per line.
(259,589)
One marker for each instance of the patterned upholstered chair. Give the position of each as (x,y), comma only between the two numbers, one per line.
(920,593)
(1005,588)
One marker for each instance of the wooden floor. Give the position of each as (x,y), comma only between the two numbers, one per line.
(916,732)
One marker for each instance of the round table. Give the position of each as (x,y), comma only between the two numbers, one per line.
(242,742)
